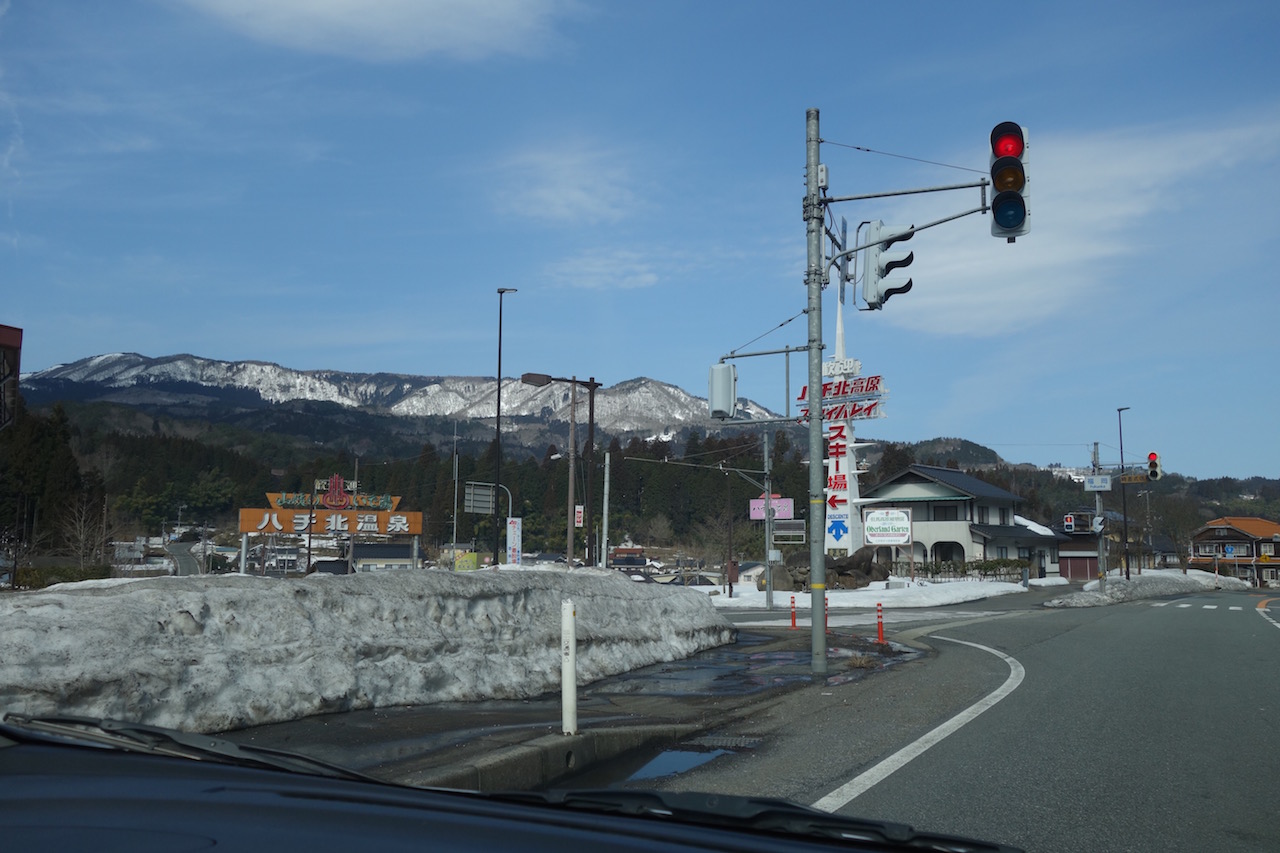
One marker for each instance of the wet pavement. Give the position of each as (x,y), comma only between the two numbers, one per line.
(654,713)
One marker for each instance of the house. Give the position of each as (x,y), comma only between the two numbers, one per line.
(1242,547)
(958,518)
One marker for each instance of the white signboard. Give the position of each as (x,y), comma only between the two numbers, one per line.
(1098,483)
(887,526)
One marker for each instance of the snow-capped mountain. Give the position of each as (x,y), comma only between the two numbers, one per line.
(636,405)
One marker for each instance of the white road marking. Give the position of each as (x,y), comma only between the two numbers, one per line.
(1210,607)
(862,783)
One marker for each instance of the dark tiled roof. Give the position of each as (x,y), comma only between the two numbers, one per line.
(954,479)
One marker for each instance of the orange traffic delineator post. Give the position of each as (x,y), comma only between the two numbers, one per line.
(793,612)
(879,623)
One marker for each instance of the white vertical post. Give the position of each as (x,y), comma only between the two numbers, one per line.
(568,667)
(244,553)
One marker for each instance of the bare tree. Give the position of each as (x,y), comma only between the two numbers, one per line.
(83,531)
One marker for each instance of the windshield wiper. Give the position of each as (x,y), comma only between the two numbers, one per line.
(157,740)
(757,814)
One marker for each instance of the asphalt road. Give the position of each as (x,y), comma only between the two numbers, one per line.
(1139,726)
(187,563)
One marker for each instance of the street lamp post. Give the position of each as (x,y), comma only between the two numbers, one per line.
(1124,502)
(539,380)
(497,423)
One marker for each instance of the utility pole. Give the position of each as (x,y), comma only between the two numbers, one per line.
(814,216)
(1124,501)
(768,524)
(1102,533)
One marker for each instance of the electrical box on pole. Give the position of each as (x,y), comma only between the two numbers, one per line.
(1010,213)
(876,289)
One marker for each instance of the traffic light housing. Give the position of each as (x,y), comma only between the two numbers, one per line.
(1154,471)
(1069,524)
(880,237)
(1010,208)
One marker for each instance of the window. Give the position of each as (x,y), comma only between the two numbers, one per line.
(1004,516)
(984,515)
(1002,552)
(946,512)
(1024,553)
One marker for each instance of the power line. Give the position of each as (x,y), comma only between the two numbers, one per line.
(902,156)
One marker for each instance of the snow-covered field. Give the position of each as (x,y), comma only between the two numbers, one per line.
(224,651)
(219,652)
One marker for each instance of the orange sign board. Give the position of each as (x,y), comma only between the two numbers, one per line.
(326,522)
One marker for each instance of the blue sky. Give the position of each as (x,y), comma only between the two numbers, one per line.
(325,185)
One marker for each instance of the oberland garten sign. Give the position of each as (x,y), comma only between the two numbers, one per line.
(334,507)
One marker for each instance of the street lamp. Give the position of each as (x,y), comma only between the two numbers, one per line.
(1124,502)
(497,423)
(539,380)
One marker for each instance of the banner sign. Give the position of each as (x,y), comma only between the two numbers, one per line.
(515,541)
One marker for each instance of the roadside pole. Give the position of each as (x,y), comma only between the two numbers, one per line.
(814,214)
(1102,534)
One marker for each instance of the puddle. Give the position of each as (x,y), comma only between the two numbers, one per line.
(673,761)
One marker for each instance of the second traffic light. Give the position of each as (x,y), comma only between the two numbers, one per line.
(1154,471)
(880,237)
(1009,184)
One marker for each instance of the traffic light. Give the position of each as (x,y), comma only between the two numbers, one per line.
(1154,471)
(875,290)
(1069,524)
(1010,193)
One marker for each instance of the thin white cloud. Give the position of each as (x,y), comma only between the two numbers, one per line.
(389,30)
(566,183)
(618,269)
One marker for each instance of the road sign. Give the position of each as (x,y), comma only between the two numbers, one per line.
(1098,483)
(478,498)
(887,526)
(1133,478)
(789,532)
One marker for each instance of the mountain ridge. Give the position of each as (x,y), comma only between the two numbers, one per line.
(636,405)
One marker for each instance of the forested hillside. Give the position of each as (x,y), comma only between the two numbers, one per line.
(68,488)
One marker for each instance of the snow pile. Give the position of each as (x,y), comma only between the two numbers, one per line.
(903,593)
(1152,583)
(219,652)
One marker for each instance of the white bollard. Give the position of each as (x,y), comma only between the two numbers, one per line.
(568,667)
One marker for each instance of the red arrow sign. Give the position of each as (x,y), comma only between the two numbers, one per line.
(835,500)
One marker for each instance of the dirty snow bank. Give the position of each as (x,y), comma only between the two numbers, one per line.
(224,651)
(1152,583)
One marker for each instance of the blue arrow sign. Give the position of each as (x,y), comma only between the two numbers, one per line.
(838,529)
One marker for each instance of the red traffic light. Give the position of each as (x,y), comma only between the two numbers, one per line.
(1153,457)
(1009,181)
(1007,140)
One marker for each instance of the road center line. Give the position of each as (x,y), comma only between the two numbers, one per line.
(860,784)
